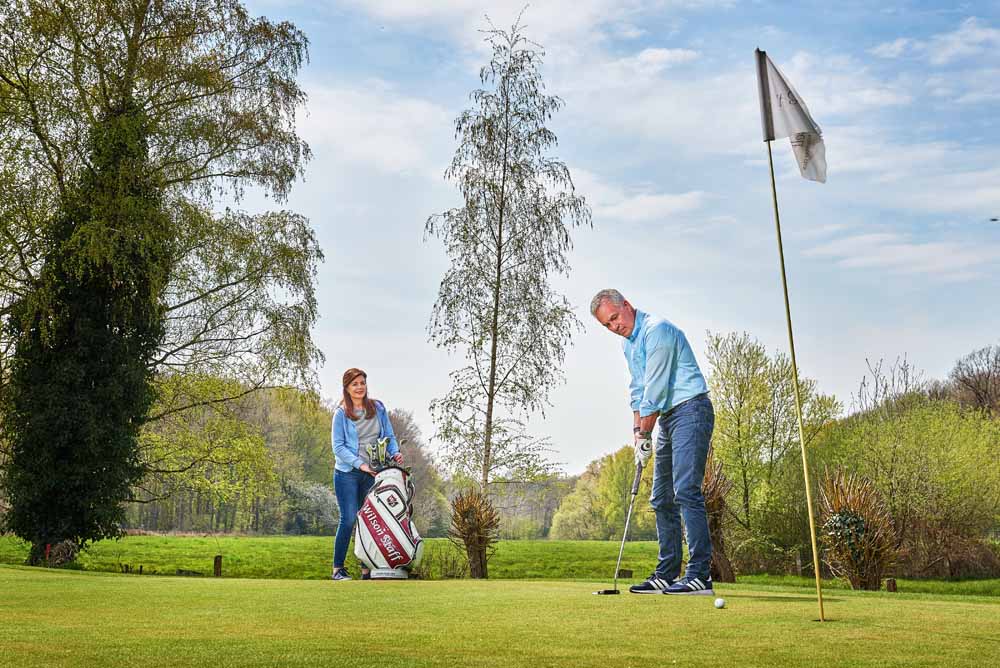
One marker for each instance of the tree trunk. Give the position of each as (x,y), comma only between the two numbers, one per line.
(715,487)
(476,553)
(722,568)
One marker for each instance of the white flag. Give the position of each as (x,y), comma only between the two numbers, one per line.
(784,113)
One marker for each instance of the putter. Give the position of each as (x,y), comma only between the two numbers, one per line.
(628,518)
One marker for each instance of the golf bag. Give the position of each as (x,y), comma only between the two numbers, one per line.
(385,539)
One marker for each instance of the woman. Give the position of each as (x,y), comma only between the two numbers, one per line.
(359,421)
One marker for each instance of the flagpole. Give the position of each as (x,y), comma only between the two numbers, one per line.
(795,386)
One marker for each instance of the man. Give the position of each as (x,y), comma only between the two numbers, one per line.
(667,387)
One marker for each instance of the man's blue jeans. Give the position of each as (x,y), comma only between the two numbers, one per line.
(678,472)
(351,488)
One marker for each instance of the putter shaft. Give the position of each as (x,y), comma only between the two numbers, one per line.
(628,519)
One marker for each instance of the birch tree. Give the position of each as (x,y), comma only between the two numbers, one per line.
(506,243)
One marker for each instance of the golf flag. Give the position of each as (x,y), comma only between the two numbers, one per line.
(783,113)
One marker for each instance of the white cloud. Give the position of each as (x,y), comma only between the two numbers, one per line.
(966,87)
(628,31)
(842,86)
(973,37)
(898,254)
(372,123)
(549,22)
(609,202)
(650,62)
(560,25)
(893,49)
(645,207)
(870,149)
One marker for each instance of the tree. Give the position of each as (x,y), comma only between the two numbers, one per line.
(579,516)
(218,89)
(596,508)
(495,302)
(213,453)
(259,463)
(976,379)
(755,424)
(614,487)
(123,121)
(79,385)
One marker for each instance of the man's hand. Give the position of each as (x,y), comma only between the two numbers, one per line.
(643,447)
(398,458)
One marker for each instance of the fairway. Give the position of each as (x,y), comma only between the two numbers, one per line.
(53,618)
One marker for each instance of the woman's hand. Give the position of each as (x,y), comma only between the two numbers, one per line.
(398,458)
(367,469)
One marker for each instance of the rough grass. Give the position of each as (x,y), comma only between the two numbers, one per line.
(67,618)
(309,557)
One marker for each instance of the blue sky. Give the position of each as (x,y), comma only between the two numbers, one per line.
(894,255)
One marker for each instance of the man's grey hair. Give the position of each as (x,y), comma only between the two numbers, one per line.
(607,295)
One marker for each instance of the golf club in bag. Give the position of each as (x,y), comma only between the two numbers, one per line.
(628,518)
(385,540)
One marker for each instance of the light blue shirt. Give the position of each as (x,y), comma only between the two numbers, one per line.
(345,438)
(664,370)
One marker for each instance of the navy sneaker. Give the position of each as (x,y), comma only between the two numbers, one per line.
(698,586)
(654,584)
(340,574)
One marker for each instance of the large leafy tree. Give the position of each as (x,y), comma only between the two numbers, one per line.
(79,386)
(755,423)
(219,93)
(121,125)
(509,238)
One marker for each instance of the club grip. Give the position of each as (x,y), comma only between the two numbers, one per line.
(638,477)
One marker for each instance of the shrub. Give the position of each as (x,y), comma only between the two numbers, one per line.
(857,530)
(475,526)
(441,562)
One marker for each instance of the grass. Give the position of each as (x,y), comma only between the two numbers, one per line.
(309,557)
(71,618)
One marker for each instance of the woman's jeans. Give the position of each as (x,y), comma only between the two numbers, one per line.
(351,488)
(678,472)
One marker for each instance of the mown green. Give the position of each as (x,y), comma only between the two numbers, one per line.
(65,618)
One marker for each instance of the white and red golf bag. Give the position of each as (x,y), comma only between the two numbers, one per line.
(385,539)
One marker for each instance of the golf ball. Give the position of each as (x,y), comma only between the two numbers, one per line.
(720,602)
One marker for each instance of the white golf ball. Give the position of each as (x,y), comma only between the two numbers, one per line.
(720,603)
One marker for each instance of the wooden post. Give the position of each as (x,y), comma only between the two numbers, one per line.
(890,584)
(218,566)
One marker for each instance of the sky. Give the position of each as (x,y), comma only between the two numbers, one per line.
(894,256)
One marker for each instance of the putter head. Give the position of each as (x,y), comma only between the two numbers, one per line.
(604,592)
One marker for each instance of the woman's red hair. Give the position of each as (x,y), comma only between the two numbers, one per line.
(367,402)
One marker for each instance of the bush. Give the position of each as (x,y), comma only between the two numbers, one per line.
(857,530)
(475,526)
(441,562)
(312,509)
